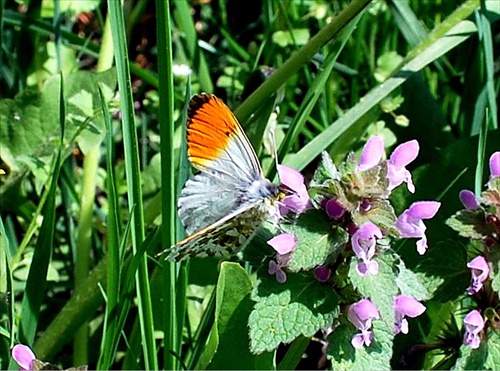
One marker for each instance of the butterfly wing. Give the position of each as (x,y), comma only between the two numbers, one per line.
(219,148)
(223,238)
(222,205)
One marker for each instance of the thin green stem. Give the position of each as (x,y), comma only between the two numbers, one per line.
(168,189)
(132,170)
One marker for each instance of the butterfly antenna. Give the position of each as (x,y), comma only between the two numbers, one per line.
(274,147)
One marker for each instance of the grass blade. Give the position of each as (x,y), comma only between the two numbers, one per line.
(133,181)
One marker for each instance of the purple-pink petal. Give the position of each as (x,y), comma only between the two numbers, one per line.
(363,338)
(299,201)
(363,244)
(480,271)
(361,314)
(372,153)
(283,243)
(408,306)
(290,177)
(468,199)
(405,306)
(424,209)
(474,324)
(410,224)
(404,154)
(24,356)
(495,165)
(367,267)
(400,157)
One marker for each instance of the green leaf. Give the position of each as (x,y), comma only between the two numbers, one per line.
(317,242)
(233,307)
(31,119)
(375,357)
(410,284)
(470,224)
(444,271)
(300,306)
(493,343)
(340,350)
(494,259)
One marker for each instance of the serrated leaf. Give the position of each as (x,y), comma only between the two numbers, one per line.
(380,289)
(494,259)
(316,241)
(340,350)
(375,357)
(470,224)
(409,283)
(380,213)
(300,306)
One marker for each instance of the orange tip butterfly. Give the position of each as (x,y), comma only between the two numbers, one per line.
(222,206)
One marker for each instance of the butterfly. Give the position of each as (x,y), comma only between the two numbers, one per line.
(222,206)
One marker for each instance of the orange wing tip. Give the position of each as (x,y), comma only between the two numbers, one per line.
(211,125)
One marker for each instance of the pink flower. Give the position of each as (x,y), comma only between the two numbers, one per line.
(372,153)
(474,324)
(298,201)
(410,224)
(283,243)
(494,165)
(397,173)
(480,271)
(24,356)
(468,199)
(363,242)
(406,306)
(277,269)
(361,315)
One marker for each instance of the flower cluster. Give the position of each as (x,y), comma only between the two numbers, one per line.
(480,220)
(361,314)
(355,196)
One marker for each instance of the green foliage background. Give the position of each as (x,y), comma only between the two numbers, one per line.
(92,157)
